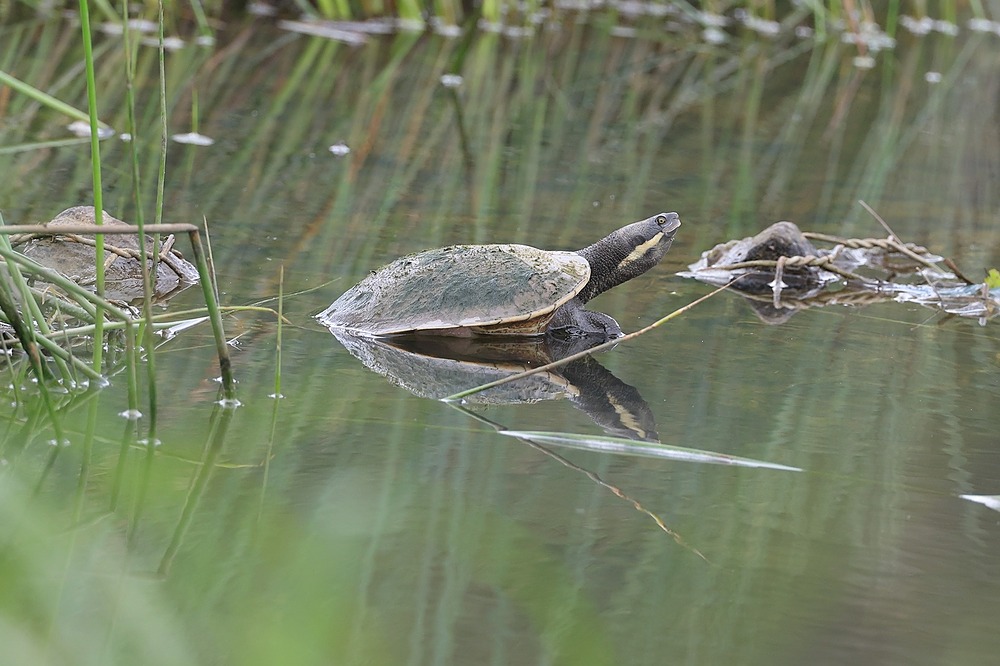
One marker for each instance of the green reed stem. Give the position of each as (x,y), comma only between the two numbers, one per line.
(28,339)
(83,296)
(28,299)
(42,97)
(277,350)
(95,155)
(215,316)
(148,268)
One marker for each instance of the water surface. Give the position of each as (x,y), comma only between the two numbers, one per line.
(354,522)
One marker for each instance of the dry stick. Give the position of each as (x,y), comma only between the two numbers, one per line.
(901,247)
(864,243)
(826,263)
(958,272)
(62,230)
(607,345)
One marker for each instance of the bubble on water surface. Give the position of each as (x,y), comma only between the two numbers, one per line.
(340,149)
(932,77)
(451,80)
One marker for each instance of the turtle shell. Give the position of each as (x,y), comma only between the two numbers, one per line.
(462,290)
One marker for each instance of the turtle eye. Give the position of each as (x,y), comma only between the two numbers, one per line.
(661,220)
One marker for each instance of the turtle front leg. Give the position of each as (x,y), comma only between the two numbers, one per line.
(573,321)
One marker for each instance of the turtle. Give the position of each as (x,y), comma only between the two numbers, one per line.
(503,289)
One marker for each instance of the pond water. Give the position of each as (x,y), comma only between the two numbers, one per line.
(354,522)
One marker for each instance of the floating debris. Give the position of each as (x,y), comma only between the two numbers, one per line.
(169,43)
(869,35)
(326,29)
(989,501)
(410,25)
(340,149)
(193,139)
(448,30)
(710,20)
(638,8)
(261,9)
(917,26)
(781,271)
(136,24)
(946,28)
(648,450)
(714,36)
(756,24)
(82,129)
(983,25)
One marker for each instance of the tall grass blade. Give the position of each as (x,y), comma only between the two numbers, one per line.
(148,268)
(95,153)
(45,98)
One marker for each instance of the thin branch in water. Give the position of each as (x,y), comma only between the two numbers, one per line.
(900,247)
(601,347)
(593,476)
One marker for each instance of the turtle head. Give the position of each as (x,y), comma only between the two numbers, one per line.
(628,252)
